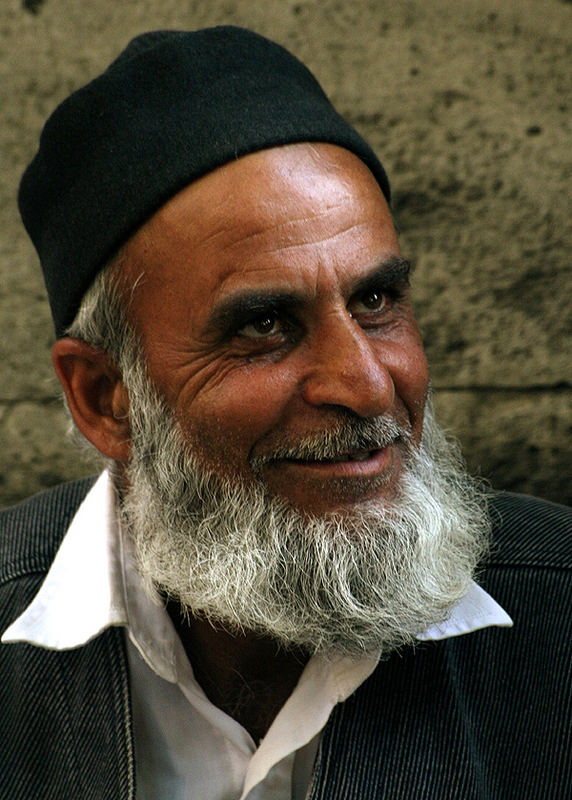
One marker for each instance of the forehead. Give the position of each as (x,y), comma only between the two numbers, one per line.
(281,217)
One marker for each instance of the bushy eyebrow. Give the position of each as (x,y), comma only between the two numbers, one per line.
(239,308)
(391,273)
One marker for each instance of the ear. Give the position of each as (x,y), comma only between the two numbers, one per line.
(96,396)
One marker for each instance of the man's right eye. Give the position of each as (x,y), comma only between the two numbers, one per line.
(265,325)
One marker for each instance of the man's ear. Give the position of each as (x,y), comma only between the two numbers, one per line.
(96,396)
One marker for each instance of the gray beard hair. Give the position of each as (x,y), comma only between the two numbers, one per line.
(337,584)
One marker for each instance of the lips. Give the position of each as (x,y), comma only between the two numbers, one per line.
(353,449)
(338,482)
(358,463)
(336,468)
(361,455)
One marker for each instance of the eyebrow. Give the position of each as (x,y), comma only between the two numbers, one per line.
(392,272)
(237,309)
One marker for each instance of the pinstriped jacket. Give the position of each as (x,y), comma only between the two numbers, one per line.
(481,717)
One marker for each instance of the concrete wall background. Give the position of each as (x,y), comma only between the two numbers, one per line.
(467,102)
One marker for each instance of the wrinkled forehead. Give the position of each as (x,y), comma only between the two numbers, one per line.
(266,220)
(283,183)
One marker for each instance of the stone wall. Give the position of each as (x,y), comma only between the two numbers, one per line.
(467,102)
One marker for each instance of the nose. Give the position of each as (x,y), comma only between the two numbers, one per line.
(347,368)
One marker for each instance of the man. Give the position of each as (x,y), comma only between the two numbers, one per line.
(231,609)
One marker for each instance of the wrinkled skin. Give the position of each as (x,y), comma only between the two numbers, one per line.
(272,300)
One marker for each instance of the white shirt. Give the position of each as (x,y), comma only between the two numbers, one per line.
(185,746)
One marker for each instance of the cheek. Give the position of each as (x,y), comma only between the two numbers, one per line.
(227,421)
(410,373)
(419,387)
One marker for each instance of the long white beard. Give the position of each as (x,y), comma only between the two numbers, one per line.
(334,584)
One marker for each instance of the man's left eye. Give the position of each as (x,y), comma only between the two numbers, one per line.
(368,302)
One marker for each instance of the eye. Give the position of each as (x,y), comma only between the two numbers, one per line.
(262,326)
(372,301)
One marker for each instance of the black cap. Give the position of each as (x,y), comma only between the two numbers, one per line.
(172,107)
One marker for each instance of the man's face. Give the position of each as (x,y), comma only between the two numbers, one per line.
(272,304)
(282,378)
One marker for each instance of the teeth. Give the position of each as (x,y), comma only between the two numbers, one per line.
(363,455)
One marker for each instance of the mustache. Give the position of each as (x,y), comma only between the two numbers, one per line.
(350,435)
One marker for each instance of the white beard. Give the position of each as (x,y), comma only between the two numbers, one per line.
(335,584)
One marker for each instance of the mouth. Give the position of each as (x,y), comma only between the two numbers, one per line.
(336,483)
(335,471)
(360,455)
(355,464)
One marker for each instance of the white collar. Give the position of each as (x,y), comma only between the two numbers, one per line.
(96,567)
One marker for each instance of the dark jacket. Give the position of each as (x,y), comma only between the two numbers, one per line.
(483,716)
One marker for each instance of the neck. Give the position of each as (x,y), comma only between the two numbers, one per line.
(248,676)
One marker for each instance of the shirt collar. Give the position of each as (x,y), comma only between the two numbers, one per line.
(80,595)
(92,584)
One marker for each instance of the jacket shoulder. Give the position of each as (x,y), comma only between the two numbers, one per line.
(31,532)
(529,531)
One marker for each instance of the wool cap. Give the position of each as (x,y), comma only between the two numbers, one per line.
(172,107)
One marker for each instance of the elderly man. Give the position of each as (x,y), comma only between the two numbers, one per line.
(231,609)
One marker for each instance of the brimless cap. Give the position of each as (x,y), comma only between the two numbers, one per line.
(172,107)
